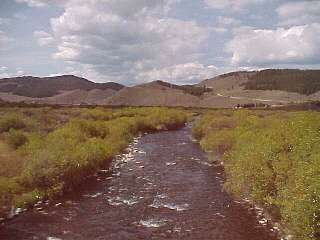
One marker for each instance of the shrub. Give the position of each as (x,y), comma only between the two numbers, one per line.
(70,153)
(8,188)
(218,141)
(61,147)
(15,138)
(27,199)
(11,121)
(273,158)
(96,114)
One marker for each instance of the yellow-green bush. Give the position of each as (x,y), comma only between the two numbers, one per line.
(218,140)
(8,188)
(61,147)
(11,121)
(274,159)
(27,199)
(73,151)
(15,138)
(96,114)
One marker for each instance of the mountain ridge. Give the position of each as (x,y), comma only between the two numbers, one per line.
(267,87)
(40,87)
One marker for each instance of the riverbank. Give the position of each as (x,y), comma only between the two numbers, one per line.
(271,158)
(46,152)
(161,188)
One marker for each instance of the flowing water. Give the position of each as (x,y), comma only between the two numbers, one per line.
(162,188)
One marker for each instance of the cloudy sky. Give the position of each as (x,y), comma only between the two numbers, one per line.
(135,41)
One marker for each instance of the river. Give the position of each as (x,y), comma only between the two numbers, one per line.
(162,188)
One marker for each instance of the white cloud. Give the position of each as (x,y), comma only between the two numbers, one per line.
(19,73)
(124,37)
(228,20)
(34,3)
(235,5)
(43,38)
(181,73)
(298,13)
(220,29)
(5,73)
(3,68)
(298,44)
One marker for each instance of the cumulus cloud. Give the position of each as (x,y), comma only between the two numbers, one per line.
(19,72)
(43,38)
(298,13)
(181,73)
(3,68)
(124,37)
(5,73)
(298,44)
(235,5)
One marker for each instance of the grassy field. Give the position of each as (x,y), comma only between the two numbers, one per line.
(47,151)
(272,158)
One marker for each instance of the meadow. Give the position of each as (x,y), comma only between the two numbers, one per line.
(47,151)
(271,158)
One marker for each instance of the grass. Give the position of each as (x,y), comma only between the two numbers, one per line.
(11,121)
(273,158)
(45,152)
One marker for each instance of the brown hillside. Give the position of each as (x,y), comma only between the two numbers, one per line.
(227,90)
(36,87)
(227,82)
(231,89)
(153,94)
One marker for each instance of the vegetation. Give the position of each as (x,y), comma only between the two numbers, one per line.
(272,158)
(188,89)
(301,81)
(45,151)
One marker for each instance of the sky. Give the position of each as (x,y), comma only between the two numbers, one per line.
(137,41)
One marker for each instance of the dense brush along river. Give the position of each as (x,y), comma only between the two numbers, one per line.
(163,187)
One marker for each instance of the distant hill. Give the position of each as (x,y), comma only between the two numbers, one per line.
(227,81)
(189,89)
(157,93)
(36,87)
(271,86)
(291,80)
(266,87)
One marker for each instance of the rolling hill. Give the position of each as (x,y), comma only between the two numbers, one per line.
(227,82)
(305,82)
(65,89)
(271,87)
(157,93)
(268,86)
